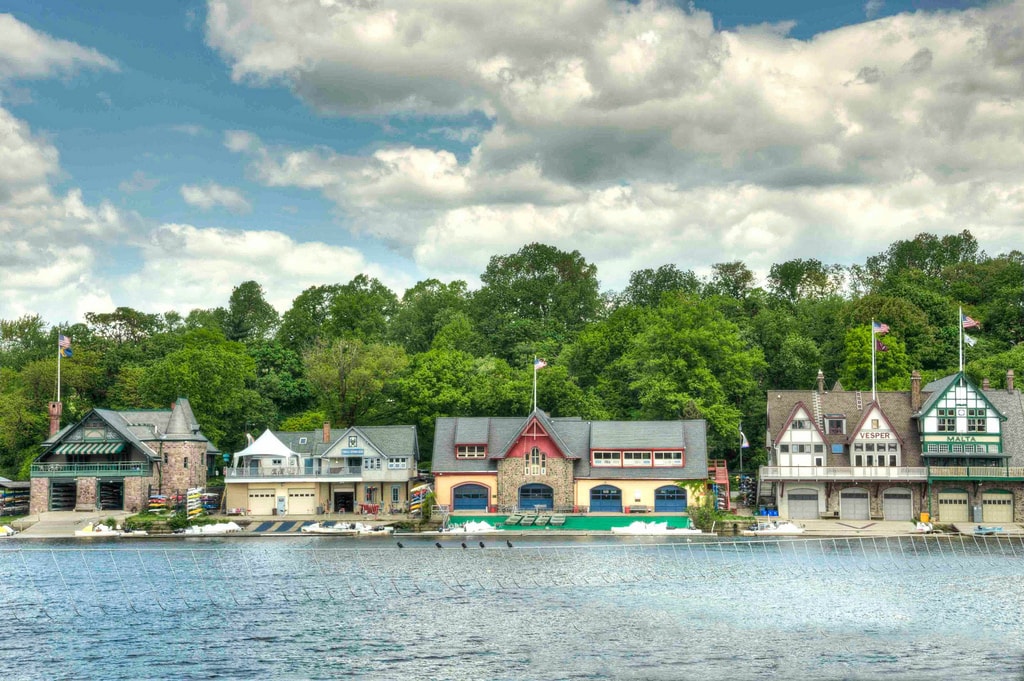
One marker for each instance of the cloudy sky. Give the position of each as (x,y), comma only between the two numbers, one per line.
(157,154)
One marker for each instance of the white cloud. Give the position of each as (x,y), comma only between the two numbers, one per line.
(138,182)
(212,195)
(27,53)
(186,267)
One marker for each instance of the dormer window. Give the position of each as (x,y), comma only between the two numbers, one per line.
(836,425)
(471,452)
(303,440)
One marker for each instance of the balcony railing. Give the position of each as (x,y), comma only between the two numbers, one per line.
(844,473)
(91,470)
(977,472)
(279,472)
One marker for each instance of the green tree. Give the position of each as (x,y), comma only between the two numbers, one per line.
(534,301)
(351,377)
(362,309)
(307,320)
(424,310)
(892,371)
(799,279)
(250,317)
(647,286)
(23,340)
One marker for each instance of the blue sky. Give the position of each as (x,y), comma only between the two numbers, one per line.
(158,154)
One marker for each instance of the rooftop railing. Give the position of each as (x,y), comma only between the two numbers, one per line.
(91,470)
(276,472)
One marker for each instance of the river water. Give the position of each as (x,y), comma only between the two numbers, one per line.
(545,608)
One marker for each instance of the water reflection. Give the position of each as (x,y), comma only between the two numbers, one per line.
(586,608)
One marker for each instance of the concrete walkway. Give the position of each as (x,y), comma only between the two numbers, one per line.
(62,523)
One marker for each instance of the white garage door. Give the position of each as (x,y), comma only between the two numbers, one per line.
(803,504)
(997,507)
(261,501)
(301,501)
(953,507)
(897,504)
(853,505)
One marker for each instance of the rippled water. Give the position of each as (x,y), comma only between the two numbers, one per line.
(555,608)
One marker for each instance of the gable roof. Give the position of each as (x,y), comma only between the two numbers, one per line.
(797,408)
(391,441)
(942,386)
(868,409)
(576,438)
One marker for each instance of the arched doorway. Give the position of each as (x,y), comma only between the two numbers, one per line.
(536,496)
(606,499)
(897,504)
(854,504)
(670,499)
(997,506)
(803,504)
(470,497)
(953,506)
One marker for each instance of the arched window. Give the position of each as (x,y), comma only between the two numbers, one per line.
(537,464)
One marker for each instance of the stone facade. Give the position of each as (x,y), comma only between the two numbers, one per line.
(558,476)
(185,466)
(875,491)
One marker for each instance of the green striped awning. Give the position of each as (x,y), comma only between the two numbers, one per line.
(90,448)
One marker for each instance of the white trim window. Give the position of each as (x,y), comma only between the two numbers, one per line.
(668,459)
(471,452)
(607,458)
(371,463)
(536,463)
(398,463)
(637,459)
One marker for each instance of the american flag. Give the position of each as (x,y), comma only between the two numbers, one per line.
(539,364)
(879,327)
(968,322)
(63,341)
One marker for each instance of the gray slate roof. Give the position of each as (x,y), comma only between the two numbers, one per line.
(392,441)
(897,408)
(576,438)
(147,425)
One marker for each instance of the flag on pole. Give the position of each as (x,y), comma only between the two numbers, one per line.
(64,345)
(744,443)
(970,340)
(968,322)
(879,327)
(538,363)
(880,346)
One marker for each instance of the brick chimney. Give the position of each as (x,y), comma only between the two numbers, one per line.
(327,432)
(1009,380)
(821,381)
(55,409)
(915,391)
(984,384)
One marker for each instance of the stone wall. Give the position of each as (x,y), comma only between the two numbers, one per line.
(875,491)
(185,467)
(512,475)
(39,500)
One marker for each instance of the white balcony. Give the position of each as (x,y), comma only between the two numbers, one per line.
(266,473)
(859,473)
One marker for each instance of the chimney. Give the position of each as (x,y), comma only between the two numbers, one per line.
(984,384)
(1009,380)
(327,432)
(55,409)
(915,391)
(821,381)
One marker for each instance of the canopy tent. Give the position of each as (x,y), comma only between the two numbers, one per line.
(267,446)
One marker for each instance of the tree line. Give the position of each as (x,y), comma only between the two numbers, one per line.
(670,345)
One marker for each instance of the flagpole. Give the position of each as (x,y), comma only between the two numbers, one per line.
(960,327)
(534,384)
(59,353)
(741,449)
(873,397)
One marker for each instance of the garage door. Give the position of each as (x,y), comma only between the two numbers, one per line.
(953,506)
(669,499)
(803,504)
(261,501)
(536,495)
(301,501)
(606,499)
(853,505)
(898,504)
(469,498)
(997,507)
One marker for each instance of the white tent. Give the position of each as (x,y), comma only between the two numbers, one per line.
(267,446)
